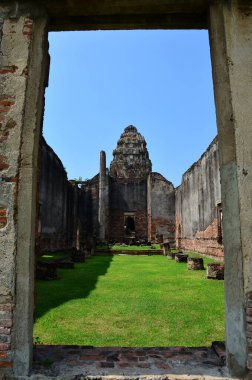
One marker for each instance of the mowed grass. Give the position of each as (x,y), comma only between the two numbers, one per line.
(130,301)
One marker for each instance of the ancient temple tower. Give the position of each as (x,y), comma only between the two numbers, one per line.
(129,171)
(131,157)
(129,202)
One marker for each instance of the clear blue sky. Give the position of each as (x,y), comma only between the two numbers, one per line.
(100,82)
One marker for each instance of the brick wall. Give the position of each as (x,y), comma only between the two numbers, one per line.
(117,221)
(198,206)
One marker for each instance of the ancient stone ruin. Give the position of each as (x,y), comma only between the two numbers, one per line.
(129,203)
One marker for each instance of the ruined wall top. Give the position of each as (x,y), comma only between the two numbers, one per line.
(131,157)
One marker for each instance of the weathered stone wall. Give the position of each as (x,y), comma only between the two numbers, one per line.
(198,225)
(58,204)
(90,209)
(161,208)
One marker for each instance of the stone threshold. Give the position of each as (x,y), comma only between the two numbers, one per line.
(82,362)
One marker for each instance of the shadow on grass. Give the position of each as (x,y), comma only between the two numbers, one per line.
(73,284)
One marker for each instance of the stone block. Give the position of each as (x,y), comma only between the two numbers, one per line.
(181,258)
(215,271)
(195,263)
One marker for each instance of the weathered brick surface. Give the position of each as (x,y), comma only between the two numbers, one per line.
(116,231)
(14,47)
(249,330)
(128,361)
(205,242)
(198,208)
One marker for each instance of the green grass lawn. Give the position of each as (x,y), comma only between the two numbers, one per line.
(130,301)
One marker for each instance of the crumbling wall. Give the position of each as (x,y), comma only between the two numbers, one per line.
(161,209)
(198,206)
(58,204)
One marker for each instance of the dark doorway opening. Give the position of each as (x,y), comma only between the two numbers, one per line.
(129,226)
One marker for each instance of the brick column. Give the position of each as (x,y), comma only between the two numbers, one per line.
(103,198)
(231,50)
(23,48)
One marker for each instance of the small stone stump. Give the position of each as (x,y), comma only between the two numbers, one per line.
(215,271)
(195,263)
(181,258)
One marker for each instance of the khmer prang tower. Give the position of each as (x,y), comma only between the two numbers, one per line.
(125,201)
(131,157)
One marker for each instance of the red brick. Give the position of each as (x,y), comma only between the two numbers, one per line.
(250,296)
(143,365)
(6,103)
(124,365)
(5,364)
(6,307)
(4,346)
(105,365)
(249,363)
(4,136)
(8,69)
(249,311)
(3,355)
(249,326)
(249,334)
(6,300)
(162,366)
(11,124)
(3,222)
(5,322)
(5,330)
(3,211)
(92,357)
(3,164)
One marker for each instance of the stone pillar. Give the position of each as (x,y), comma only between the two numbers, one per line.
(230,25)
(103,197)
(23,69)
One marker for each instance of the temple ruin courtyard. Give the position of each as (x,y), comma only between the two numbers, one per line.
(110,301)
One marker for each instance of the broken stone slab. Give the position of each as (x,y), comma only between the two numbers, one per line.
(195,263)
(215,271)
(181,258)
